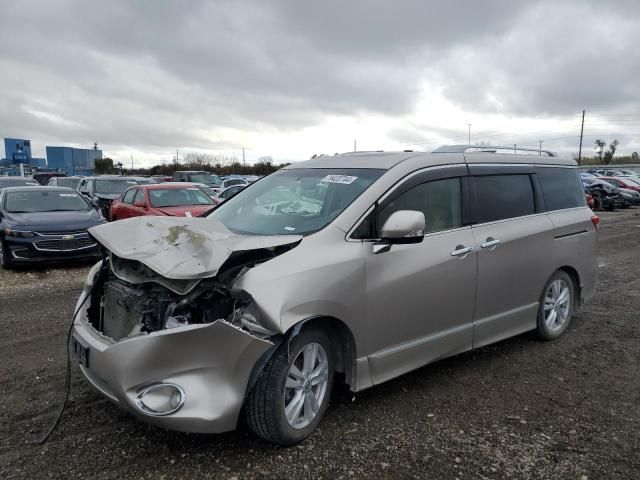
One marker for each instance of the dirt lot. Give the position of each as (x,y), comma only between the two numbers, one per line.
(568,409)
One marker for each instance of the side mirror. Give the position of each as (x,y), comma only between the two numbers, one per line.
(140,204)
(404,226)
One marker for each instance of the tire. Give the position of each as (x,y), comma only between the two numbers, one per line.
(555,311)
(597,202)
(5,261)
(277,389)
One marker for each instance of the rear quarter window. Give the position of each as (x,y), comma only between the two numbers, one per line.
(561,187)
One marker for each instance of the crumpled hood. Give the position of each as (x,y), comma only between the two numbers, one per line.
(180,248)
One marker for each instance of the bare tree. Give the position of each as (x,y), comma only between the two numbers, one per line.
(599,148)
(611,151)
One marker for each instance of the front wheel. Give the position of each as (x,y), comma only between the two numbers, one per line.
(556,306)
(292,392)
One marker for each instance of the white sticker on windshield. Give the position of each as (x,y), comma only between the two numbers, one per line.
(68,195)
(344,179)
(187,214)
(290,229)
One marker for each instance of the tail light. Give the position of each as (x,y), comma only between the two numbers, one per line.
(595,220)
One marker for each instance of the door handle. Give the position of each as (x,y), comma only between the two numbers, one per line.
(461,250)
(490,243)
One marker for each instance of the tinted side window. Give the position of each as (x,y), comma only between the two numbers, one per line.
(439,200)
(128,196)
(561,187)
(503,196)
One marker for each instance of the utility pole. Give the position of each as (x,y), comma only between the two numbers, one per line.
(514,149)
(539,148)
(176,157)
(244,163)
(469,140)
(131,162)
(581,132)
(355,149)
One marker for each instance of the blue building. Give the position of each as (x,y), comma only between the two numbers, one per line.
(17,150)
(73,161)
(39,163)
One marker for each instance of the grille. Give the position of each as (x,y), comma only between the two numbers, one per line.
(64,245)
(66,232)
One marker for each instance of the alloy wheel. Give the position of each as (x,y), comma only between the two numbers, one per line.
(306,385)
(557,305)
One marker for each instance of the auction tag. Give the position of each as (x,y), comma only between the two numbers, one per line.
(344,179)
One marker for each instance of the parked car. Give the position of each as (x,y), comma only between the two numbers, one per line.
(210,179)
(605,196)
(230,182)
(614,173)
(588,175)
(43,177)
(17,182)
(172,199)
(627,173)
(365,264)
(143,180)
(43,224)
(102,190)
(161,178)
(69,182)
(228,193)
(623,182)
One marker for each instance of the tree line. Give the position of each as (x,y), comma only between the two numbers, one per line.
(219,164)
(605,155)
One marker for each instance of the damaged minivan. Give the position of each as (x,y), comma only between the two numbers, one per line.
(357,268)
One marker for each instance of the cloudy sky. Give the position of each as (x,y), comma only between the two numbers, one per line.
(288,79)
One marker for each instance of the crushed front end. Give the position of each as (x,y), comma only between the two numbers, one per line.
(177,353)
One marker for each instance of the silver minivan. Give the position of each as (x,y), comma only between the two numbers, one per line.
(365,264)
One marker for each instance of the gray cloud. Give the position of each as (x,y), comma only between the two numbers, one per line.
(159,74)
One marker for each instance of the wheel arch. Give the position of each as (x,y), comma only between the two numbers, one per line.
(344,350)
(575,279)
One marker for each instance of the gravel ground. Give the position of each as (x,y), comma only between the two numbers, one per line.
(567,409)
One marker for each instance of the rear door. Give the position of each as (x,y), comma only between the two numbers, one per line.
(514,239)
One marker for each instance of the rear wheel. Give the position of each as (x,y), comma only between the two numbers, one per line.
(556,306)
(292,392)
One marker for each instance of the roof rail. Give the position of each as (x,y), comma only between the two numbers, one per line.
(489,149)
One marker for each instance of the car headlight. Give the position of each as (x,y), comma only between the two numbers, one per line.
(18,233)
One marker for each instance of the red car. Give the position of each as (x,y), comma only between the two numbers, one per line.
(176,200)
(622,182)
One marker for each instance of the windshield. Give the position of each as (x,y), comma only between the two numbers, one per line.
(67,182)
(207,190)
(234,181)
(176,197)
(206,178)
(45,201)
(296,201)
(113,186)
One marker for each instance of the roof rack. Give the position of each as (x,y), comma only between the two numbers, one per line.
(490,149)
